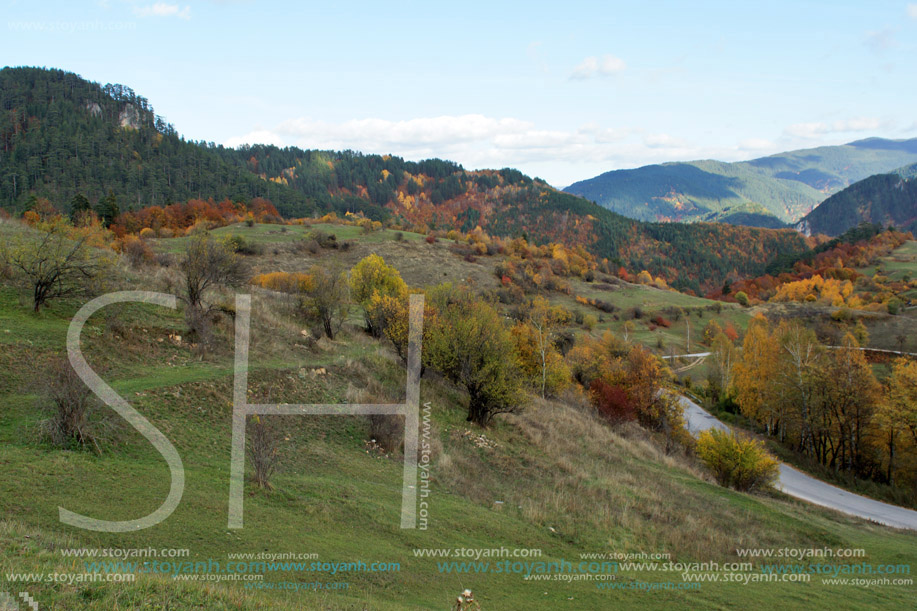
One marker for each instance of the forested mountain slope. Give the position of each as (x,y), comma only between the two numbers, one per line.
(784,187)
(883,199)
(61,135)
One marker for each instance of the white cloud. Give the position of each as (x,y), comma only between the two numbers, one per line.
(664,141)
(756,144)
(818,129)
(534,139)
(476,141)
(161,9)
(258,136)
(807,130)
(381,134)
(560,155)
(912,11)
(605,136)
(592,66)
(860,124)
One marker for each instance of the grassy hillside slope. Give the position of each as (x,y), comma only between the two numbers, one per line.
(553,477)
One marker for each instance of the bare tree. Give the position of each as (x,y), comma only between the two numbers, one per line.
(628,329)
(263,439)
(55,261)
(74,418)
(205,265)
(687,331)
(724,355)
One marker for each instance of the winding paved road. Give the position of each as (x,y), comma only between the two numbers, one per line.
(796,483)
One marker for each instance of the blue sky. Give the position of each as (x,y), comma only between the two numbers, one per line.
(560,90)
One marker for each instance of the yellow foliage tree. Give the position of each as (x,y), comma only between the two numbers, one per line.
(369,277)
(896,421)
(754,374)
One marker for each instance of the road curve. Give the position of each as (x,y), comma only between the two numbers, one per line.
(802,486)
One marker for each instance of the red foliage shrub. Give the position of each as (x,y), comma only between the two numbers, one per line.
(179,216)
(612,401)
(662,322)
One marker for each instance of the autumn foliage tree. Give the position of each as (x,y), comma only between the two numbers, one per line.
(826,402)
(628,382)
(896,423)
(657,410)
(902,393)
(723,356)
(753,378)
(849,397)
(471,346)
(539,358)
(391,314)
(370,280)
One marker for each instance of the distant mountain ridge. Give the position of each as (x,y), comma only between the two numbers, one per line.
(883,199)
(785,186)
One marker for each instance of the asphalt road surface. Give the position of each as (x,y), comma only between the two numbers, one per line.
(796,483)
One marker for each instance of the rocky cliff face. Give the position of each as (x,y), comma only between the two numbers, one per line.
(129,117)
(94,109)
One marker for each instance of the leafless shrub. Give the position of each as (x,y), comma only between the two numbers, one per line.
(387,431)
(263,439)
(164,259)
(74,416)
(206,265)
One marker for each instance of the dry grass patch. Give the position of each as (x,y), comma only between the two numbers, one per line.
(562,468)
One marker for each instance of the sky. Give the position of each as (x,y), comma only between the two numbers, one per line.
(562,90)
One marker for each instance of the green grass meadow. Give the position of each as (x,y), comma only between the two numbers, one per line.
(552,477)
